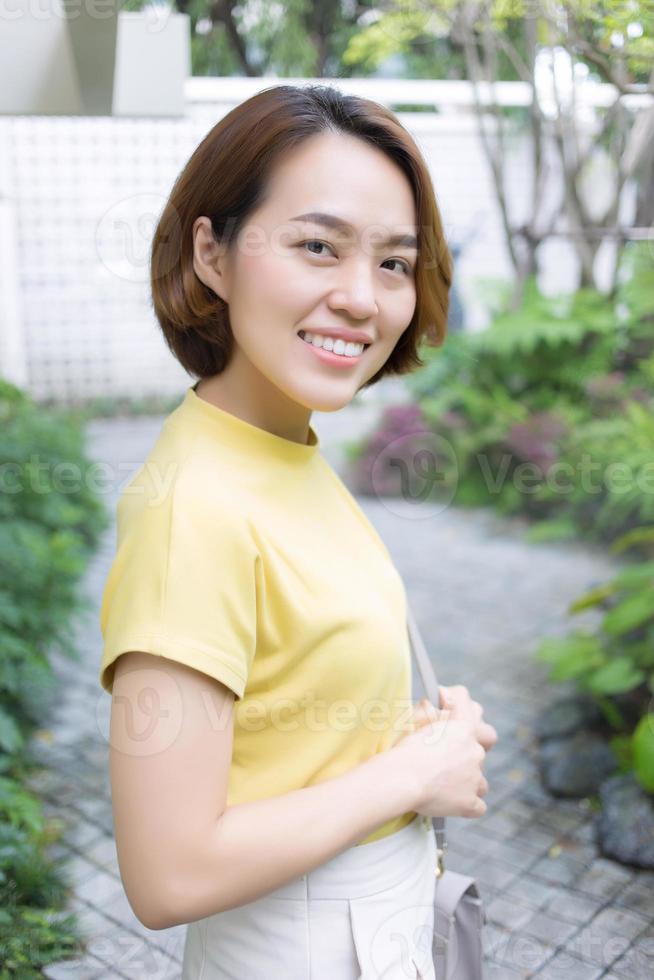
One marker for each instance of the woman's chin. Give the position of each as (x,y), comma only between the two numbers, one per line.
(328,401)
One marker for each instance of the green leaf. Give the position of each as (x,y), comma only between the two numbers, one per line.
(572,656)
(611,712)
(559,529)
(20,808)
(637,535)
(643,752)
(630,613)
(617,676)
(11,737)
(637,574)
(592,598)
(623,747)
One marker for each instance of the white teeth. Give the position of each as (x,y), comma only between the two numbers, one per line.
(338,346)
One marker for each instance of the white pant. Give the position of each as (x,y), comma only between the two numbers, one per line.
(366,914)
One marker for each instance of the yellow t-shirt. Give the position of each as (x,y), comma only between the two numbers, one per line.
(243,555)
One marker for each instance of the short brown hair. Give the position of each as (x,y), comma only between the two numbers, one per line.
(225,179)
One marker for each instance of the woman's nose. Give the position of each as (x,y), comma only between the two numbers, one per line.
(356,294)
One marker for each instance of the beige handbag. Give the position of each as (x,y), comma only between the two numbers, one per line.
(459,915)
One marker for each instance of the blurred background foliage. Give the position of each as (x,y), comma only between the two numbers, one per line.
(50,524)
(345,38)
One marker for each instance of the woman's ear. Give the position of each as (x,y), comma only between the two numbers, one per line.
(209,258)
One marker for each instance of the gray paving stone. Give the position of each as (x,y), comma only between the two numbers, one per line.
(471,837)
(494,935)
(100,890)
(638,962)
(91,920)
(561,869)
(521,952)
(538,841)
(78,870)
(118,909)
(58,852)
(639,896)
(560,821)
(495,971)
(504,821)
(156,966)
(86,968)
(514,855)
(573,906)
(95,810)
(129,954)
(621,922)
(585,832)
(171,941)
(103,853)
(532,891)
(604,879)
(508,913)
(551,929)
(494,873)
(562,966)
(595,946)
(499,791)
(82,833)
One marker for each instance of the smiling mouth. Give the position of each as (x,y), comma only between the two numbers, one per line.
(301,335)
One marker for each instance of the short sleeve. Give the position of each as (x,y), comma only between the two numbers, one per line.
(182,584)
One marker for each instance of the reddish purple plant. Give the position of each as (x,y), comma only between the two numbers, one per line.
(536,439)
(453,421)
(404,428)
(605,386)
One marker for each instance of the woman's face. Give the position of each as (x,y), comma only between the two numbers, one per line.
(284,276)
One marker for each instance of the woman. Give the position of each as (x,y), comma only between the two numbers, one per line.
(272,781)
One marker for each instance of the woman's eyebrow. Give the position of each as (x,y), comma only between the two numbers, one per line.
(331,221)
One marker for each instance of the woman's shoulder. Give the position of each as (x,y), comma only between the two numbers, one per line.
(181,482)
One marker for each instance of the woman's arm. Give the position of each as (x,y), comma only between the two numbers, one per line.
(183,854)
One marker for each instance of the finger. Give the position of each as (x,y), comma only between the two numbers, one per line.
(478,808)
(445,695)
(424,709)
(420,715)
(429,717)
(423,703)
(487,735)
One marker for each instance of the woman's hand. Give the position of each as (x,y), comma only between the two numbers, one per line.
(457,702)
(442,757)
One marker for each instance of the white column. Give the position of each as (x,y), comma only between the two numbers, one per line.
(13,353)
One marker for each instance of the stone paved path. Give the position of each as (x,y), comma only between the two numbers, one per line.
(483,597)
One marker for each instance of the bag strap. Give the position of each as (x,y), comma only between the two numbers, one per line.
(430,685)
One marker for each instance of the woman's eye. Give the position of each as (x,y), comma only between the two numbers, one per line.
(404,266)
(314,241)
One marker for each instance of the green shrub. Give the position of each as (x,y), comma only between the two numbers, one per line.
(615,664)
(49,526)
